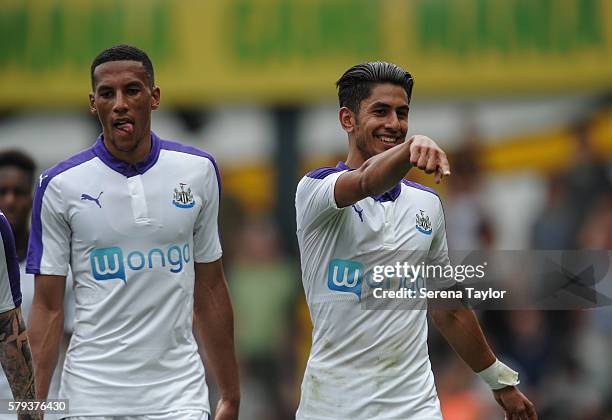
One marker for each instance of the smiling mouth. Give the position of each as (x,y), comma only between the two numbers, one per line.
(389,139)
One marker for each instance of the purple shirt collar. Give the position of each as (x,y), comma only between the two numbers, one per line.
(124,168)
(390,195)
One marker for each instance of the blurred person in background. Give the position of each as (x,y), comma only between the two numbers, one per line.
(135,219)
(17,178)
(596,230)
(17,173)
(552,229)
(586,180)
(374,364)
(467,225)
(594,328)
(15,355)
(231,223)
(264,291)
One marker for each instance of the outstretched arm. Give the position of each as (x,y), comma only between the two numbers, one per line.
(381,172)
(461,329)
(214,322)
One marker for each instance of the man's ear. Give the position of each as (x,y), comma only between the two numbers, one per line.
(92,105)
(348,119)
(156,95)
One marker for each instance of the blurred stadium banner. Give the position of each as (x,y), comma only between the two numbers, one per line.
(294,50)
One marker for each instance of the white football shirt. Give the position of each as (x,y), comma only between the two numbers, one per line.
(10,293)
(130,234)
(365,364)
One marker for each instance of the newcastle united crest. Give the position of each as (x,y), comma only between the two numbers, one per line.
(183,197)
(423,224)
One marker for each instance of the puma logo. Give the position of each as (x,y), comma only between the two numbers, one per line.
(90,198)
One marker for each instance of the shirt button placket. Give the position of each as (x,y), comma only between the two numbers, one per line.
(140,209)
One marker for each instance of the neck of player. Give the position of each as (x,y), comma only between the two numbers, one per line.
(135,155)
(355,158)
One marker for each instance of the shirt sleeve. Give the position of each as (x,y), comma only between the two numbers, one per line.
(315,200)
(10,292)
(438,251)
(206,243)
(50,233)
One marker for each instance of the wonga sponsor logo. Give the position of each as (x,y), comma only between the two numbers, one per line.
(109,263)
(345,276)
(351,276)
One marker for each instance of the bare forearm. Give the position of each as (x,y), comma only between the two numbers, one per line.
(215,324)
(462,331)
(15,355)
(381,172)
(45,332)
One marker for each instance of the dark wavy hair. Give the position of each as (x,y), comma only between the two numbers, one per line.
(356,83)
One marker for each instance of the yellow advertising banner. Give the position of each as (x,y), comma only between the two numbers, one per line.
(207,51)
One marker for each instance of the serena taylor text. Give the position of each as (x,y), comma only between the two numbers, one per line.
(423,293)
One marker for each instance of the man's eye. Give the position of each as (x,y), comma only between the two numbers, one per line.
(133,91)
(106,94)
(380,112)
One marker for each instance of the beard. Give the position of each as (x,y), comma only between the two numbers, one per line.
(365,147)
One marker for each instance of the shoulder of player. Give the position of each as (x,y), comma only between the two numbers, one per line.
(318,174)
(322,173)
(185,153)
(425,195)
(64,166)
(312,179)
(422,192)
(183,149)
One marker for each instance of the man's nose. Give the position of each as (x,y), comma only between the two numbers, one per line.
(7,198)
(393,121)
(121,104)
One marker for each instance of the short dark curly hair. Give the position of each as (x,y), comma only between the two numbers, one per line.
(18,159)
(124,52)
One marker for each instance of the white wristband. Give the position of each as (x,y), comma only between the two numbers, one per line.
(498,376)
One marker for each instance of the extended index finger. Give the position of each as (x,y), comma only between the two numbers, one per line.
(440,174)
(444,165)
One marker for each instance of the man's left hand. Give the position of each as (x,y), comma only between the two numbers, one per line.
(515,404)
